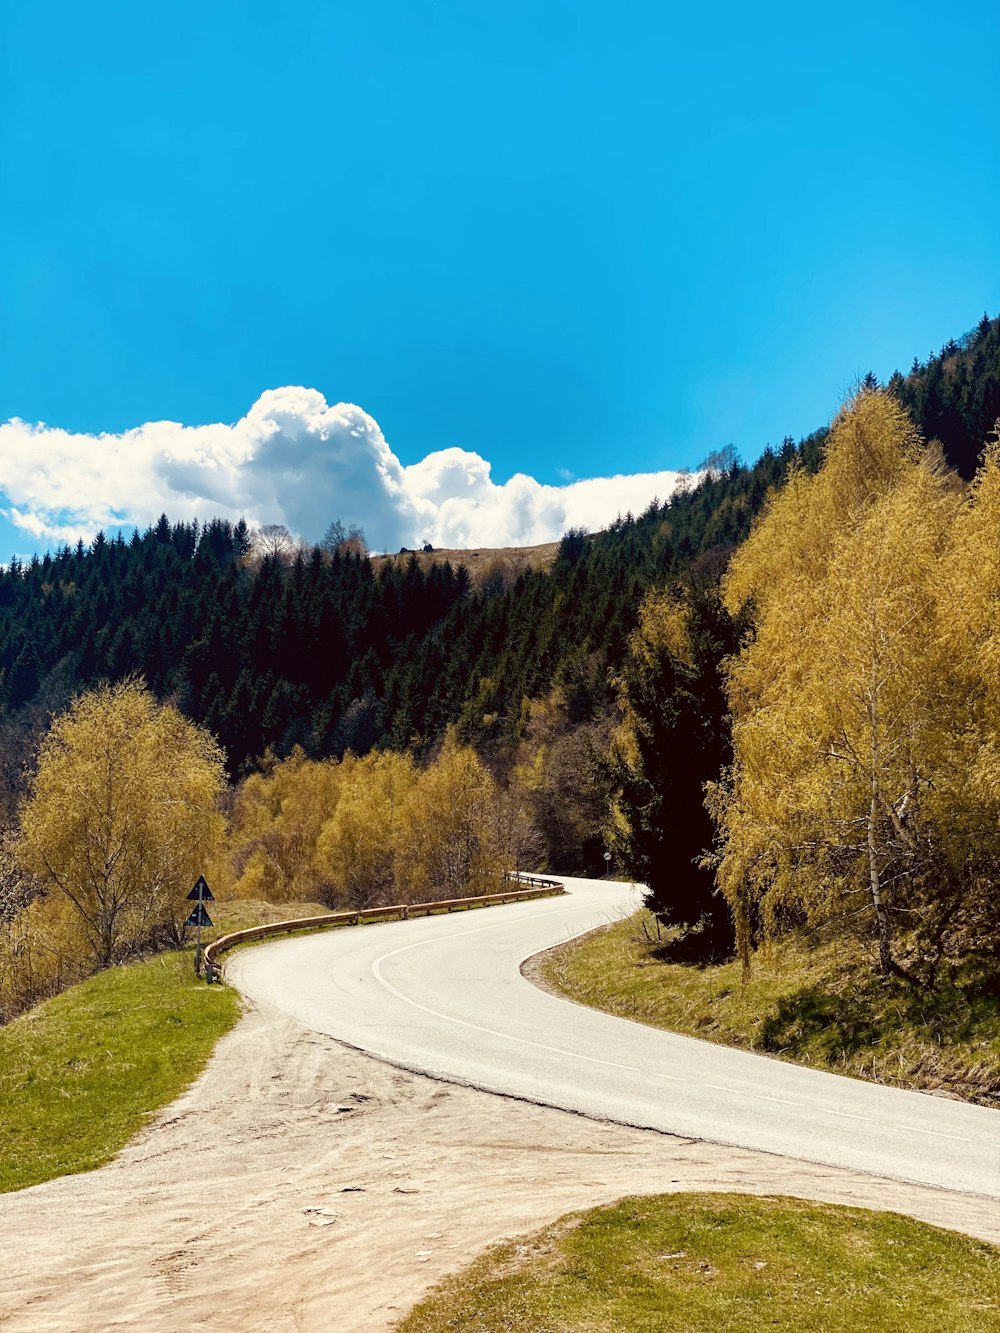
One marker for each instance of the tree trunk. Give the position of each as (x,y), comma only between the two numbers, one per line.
(106,954)
(887,964)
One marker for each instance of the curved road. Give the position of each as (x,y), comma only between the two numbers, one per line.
(444,996)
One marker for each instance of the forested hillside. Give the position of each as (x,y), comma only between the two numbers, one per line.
(320,651)
(954,396)
(372,734)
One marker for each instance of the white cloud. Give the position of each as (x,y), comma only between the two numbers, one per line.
(293,459)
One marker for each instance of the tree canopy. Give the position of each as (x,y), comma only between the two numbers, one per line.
(121,812)
(849,800)
(673,738)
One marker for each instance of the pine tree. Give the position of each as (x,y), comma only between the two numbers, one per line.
(673,739)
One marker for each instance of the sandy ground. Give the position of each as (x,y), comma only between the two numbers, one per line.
(301,1185)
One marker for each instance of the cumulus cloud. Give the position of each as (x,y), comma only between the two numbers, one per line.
(297,460)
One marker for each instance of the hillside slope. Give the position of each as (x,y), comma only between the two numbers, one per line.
(348,653)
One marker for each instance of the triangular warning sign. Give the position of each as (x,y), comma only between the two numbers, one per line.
(199,917)
(201,892)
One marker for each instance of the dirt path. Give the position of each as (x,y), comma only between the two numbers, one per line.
(302,1186)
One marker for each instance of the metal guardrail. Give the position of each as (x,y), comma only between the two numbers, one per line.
(520,877)
(535,887)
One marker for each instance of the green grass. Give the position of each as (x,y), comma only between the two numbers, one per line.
(723,1262)
(82,1072)
(817,1004)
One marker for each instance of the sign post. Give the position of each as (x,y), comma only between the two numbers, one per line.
(201,894)
(607,864)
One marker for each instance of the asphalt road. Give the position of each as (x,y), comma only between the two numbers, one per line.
(444,996)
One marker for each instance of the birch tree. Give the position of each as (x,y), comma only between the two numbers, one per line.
(447,844)
(357,845)
(277,819)
(121,814)
(846,705)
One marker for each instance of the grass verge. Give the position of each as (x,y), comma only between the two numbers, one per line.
(817,1004)
(82,1072)
(720,1261)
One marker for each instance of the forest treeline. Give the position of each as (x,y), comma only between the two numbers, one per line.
(584,706)
(320,651)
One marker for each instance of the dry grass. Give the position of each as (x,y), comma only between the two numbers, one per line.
(483,562)
(231,914)
(813,1003)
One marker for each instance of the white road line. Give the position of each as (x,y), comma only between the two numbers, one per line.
(592,1059)
(479,930)
(509,1036)
(478,1027)
(541,1046)
(915,1129)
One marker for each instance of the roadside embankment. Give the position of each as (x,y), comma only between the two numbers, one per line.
(81,1073)
(812,1003)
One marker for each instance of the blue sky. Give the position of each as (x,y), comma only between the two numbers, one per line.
(572,239)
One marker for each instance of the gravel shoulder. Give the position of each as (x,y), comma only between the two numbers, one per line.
(301,1185)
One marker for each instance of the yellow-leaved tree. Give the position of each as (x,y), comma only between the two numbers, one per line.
(448,842)
(371,830)
(277,818)
(357,845)
(847,801)
(122,814)
(969,616)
